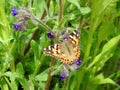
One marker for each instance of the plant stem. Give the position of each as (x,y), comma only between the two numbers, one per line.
(60,10)
(41,23)
(53,61)
(44,13)
(34,36)
(80,22)
(96,49)
(90,37)
(8,82)
(65,84)
(49,75)
(89,43)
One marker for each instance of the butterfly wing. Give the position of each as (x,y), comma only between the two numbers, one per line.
(74,38)
(67,51)
(70,48)
(53,50)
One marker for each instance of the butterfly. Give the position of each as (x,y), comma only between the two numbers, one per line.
(67,51)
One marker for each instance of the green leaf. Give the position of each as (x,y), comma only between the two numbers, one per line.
(85,10)
(42,76)
(19,69)
(105,30)
(101,80)
(12,77)
(106,52)
(23,82)
(4,85)
(3,48)
(75,2)
(103,6)
(4,25)
(39,6)
(110,44)
(15,78)
(35,49)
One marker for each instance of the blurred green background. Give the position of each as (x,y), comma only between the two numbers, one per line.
(23,66)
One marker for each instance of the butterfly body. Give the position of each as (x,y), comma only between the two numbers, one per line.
(66,51)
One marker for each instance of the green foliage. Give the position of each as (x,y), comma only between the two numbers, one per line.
(23,64)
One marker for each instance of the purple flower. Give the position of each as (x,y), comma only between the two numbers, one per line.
(78,62)
(50,35)
(14,11)
(16,26)
(65,69)
(74,67)
(65,38)
(64,74)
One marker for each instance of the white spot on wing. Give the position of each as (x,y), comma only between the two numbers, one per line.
(49,47)
(71,36)
(75,33)
(55,46)
(44,49)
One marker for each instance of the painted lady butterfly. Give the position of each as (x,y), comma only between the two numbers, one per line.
(66,51)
